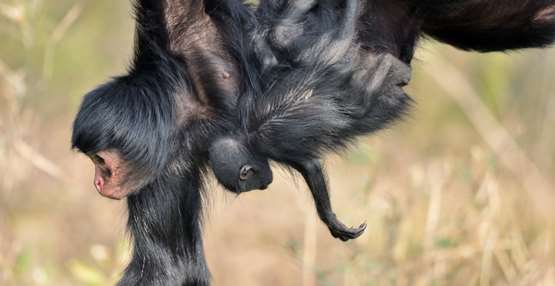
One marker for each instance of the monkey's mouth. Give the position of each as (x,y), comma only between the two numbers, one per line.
(240,190)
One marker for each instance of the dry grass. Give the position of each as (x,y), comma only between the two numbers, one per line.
(461,193)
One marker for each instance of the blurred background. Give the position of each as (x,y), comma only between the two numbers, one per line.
(460,193)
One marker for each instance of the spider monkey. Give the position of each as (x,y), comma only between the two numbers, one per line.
(148,132)
(226,86)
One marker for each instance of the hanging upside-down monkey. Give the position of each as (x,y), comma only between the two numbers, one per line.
(219,84)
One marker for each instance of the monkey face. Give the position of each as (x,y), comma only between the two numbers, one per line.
(238,169)
(109,175)
(125,135)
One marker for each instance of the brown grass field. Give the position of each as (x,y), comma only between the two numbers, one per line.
(460,193)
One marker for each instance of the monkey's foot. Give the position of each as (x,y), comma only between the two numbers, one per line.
(341,231)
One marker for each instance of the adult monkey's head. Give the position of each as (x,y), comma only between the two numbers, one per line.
(125,133)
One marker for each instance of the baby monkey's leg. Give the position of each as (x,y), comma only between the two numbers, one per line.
(314,176)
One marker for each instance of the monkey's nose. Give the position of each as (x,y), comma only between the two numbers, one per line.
(99,184)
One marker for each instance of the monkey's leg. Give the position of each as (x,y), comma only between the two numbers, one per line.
(314,176)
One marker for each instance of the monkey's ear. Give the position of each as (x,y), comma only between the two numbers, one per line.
(489,25)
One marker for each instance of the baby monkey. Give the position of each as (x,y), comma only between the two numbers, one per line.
(318,91)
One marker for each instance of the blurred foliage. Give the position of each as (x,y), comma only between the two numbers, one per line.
(443,207)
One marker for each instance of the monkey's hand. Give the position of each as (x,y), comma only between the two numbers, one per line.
(341,231)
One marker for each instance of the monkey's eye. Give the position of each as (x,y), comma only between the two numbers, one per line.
(247,172)
(97,159)
(101,163)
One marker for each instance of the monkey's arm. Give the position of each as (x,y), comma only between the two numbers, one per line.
(481,25)
(488,25)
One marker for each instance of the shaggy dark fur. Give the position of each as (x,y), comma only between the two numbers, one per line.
(221,85)
(161,118)
(334,70)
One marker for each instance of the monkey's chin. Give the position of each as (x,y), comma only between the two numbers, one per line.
(240,191)
(113,194)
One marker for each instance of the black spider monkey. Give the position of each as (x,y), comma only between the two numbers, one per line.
(148,133)
(224,85)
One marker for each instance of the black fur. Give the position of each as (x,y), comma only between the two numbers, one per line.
(161,120)
(223,85)
(320,89)
(334,70)
(488,25)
